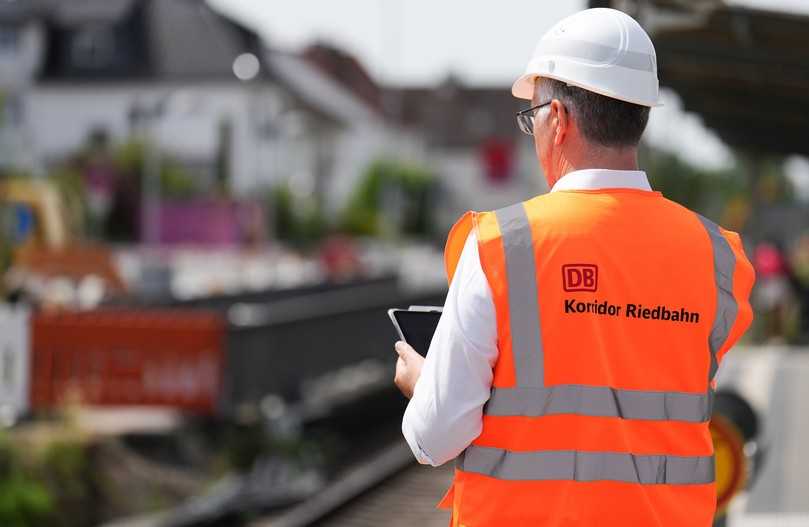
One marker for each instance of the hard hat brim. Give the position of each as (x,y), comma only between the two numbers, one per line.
(523,88)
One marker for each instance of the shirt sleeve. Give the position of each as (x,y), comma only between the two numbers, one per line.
(445,413)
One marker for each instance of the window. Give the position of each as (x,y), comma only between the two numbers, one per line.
(93,48)
(9,39)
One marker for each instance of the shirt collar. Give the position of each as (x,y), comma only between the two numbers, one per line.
(599,178)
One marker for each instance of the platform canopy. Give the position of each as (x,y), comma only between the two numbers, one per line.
(744,70)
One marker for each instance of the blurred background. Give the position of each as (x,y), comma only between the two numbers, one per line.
(207,207)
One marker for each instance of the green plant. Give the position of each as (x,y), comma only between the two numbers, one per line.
(392,198)
(735,196)
(65,462)
(296,220)
(24,501)
(706,191)
(175,181)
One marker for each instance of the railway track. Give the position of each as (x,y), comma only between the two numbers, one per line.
(406,499)
(388,489)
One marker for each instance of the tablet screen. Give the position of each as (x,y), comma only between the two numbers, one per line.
(417,328)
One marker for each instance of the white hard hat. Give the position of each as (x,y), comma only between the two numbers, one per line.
(601,50)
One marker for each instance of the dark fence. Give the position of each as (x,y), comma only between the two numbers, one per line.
(275,347)
(219,355)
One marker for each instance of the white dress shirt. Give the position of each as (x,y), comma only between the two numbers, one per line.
(445,414)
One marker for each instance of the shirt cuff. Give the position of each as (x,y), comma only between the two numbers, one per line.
(410,418)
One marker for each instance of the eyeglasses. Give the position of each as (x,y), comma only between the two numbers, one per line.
(525,118)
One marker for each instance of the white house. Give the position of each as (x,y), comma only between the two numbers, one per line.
(180,73)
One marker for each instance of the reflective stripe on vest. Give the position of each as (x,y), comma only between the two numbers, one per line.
(531,398)
(588,466)
(523,300)
(601,401)
(724,264)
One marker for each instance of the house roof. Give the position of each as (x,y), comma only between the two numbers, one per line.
(152,39)
(187,38)
(453,115)
(319,92)
(64,11)
(345,69)
(16,12)
(86,11)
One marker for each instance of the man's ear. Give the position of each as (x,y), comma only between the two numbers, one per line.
(560,120)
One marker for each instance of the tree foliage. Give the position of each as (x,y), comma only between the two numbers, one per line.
(392,198)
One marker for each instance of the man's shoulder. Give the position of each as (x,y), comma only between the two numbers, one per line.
(511,208)
(678,208)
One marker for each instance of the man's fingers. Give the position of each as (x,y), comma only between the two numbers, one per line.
(401,370)
(401,378)
(408,368)
(400,367)
(403,349)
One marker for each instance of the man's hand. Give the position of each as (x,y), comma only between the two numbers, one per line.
(408,368)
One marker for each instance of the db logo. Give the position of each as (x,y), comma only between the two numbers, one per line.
(580,277)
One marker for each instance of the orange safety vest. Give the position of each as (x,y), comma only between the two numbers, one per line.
(614,308)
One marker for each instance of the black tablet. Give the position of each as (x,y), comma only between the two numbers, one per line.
(416,326)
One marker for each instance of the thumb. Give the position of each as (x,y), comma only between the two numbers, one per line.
(403,349)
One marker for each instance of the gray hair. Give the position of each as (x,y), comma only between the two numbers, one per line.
(604,121)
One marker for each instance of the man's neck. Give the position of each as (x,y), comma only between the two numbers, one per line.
(605,159)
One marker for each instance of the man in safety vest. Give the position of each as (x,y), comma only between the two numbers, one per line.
(572,371)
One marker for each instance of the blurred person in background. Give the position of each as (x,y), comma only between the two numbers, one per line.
(572,371)
(799,277)
(776,293)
